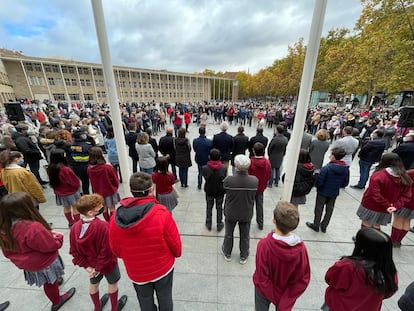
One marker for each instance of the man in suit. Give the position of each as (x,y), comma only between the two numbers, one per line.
(224,142)
(259,138)
(240,145)
(167,148)
(202,146)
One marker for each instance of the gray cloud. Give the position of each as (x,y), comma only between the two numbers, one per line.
(178,35)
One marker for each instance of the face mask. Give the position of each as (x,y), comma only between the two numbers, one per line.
(13,129)
(62,126)
(405,139)
(372,136)
(96,123)
(20,162)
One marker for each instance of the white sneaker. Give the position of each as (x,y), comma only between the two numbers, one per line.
(226,258)
(243,261)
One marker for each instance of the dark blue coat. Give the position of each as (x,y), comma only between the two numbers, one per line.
(202,146)
(372,150)
(406,153)
(224,143)
(332,176)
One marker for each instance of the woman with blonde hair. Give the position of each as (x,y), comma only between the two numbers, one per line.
(318,148)
(146,153)
(17,178)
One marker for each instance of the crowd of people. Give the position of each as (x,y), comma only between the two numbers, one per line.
(78,144)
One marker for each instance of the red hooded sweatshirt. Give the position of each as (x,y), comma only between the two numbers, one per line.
(261,168)
(104,179)
(282,270)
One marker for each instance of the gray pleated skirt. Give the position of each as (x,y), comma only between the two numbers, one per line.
(112,199)
(67,200)
(373,217)
(169,200)
(405,212)
(47,275)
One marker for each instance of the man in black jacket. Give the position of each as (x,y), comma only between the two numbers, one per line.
(259,138)
(131,139)
(29,150)
(369,154)
(167,148)
(240,145)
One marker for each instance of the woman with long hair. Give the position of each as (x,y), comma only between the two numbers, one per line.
(30,243)
(364,279)
(389,190)
(65,185)
(164,182)
(104,180)
(16,178)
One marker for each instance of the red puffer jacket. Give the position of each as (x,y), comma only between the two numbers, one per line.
(144,235)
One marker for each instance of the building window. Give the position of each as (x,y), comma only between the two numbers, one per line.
(51,81)
(88,96)
(82,82)
(58,81)
(28,66)
(55,68)
(64,69)
(59,96)
(71,69)
(144,84)
(103,94)
(38,67)
(67,82)
(36,81)
(83,70)
(88,82)
(97,72)
(47,68)
(74,82)
(74,96)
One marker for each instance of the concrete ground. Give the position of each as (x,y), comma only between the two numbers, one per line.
(203,280)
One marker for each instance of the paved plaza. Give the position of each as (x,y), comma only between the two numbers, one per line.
(203,280)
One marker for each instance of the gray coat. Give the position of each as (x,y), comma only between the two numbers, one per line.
(317,152)
(276,150)
(306,141)
(240,193)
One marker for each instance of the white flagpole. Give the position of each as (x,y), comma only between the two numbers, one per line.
(110,85)
(293,148)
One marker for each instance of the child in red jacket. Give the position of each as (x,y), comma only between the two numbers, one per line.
(29,242)
(89,246)
(282,264)
(65,184)
(261,168)
(361,281)
(104,180)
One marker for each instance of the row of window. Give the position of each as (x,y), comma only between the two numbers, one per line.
(53,81)
(29,66)
(102,94)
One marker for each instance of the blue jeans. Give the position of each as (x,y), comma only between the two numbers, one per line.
(364,167)
(147,170)
(183,172)
(274,176)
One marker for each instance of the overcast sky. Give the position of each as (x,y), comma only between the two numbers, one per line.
(176,35)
